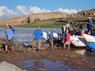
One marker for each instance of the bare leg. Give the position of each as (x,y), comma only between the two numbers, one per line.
(32,44)
(64,45)
(12,48)
(11,45)
(52,44)
(68,46)
(6,47)
(39,44)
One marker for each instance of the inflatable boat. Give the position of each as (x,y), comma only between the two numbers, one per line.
(91,46)
(76,41)
(89,38)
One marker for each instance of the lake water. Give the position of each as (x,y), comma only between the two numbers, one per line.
(39,64)
(25,34)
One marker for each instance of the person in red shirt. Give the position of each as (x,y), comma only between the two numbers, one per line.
(67,40)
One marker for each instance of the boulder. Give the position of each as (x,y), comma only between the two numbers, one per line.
(5,66)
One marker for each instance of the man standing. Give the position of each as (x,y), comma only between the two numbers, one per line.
(89,24)
(38,33)
(9,32)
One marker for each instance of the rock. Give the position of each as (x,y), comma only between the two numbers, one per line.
(4,66)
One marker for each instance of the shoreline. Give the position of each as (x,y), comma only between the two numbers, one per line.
(69,57)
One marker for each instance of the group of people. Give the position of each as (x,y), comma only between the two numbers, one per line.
(38,33)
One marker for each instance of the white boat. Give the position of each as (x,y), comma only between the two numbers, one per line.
(76,41)
(45,35)
(89,38)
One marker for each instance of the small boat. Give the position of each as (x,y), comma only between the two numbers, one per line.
(91,46)
(76,41)
(89,38)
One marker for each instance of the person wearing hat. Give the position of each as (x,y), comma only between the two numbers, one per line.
(9,32)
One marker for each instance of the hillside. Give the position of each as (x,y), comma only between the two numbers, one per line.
(34,17)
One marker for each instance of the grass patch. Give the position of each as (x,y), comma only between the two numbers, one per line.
(46,24)
(53,23)
(2,26)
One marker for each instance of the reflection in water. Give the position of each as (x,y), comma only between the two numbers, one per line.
(27,64)
(92,58)
(39,64)
(54,65)
(90,55)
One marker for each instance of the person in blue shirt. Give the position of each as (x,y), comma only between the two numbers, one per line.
(9,32)
(89,24)
(38,33)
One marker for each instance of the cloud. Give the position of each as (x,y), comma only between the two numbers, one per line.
(22,10)
(4,11)
(68,11)
(25,10)
(38,10)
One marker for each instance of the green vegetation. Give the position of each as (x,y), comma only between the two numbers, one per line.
(1,26)
(45,24)
(83,19)
(53,23)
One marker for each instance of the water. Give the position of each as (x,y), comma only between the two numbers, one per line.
(90,56)
(25,34)
(44,65)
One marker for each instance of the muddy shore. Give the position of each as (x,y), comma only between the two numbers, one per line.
(69,57)
(74,60)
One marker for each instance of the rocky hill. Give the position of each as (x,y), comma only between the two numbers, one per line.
(46,16)
(86,13)
(34,17)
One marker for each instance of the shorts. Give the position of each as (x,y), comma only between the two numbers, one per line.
(9,43)
(39,42)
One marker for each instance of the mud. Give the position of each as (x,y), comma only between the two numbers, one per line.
(72,60)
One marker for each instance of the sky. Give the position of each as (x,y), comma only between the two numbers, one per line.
(24,7)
